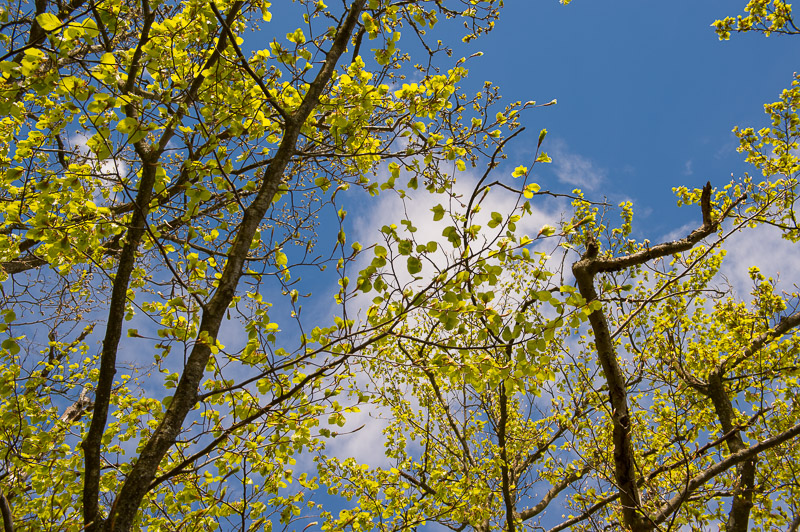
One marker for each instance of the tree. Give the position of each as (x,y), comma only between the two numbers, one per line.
(154,170)
(583,380)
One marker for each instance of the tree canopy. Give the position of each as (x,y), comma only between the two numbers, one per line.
(176,176)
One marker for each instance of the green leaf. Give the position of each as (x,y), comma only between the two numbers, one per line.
(10,345)
(547,230)
(48,22)
(451,233)
(9,315)
(322,182)
(414,265)
(496,220)
(405,247)
(530,190)
(108,59)
(297,37)
(127,125)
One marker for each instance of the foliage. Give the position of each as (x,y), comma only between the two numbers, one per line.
(155,172)
(641,392)
(166,191)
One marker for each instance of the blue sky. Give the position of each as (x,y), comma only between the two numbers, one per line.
(647,98)
(647,94)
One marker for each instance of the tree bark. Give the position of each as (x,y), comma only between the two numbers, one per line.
(624,464)
(742,502)
(108,359)
(5,511)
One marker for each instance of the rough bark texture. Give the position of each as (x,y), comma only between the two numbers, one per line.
(714,389)
(692,484)
(624,465)
(508,489)
(742,503)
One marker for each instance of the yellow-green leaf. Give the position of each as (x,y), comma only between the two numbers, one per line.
(48,21)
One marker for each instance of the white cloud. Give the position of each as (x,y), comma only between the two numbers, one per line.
(727,148)
(367,443)
(762,247)
(110,171)
(575,169)
(417,207)
(362,435)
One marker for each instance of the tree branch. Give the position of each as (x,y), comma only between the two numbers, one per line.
(785,325)
(551,494)
(246,65)
(585,271)
(508,497)
(163,438)
(720,467)
(91,445)
(600,265)
(5,511)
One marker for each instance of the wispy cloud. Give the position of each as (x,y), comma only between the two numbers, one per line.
(418,207)
(575,169)
(762,247)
